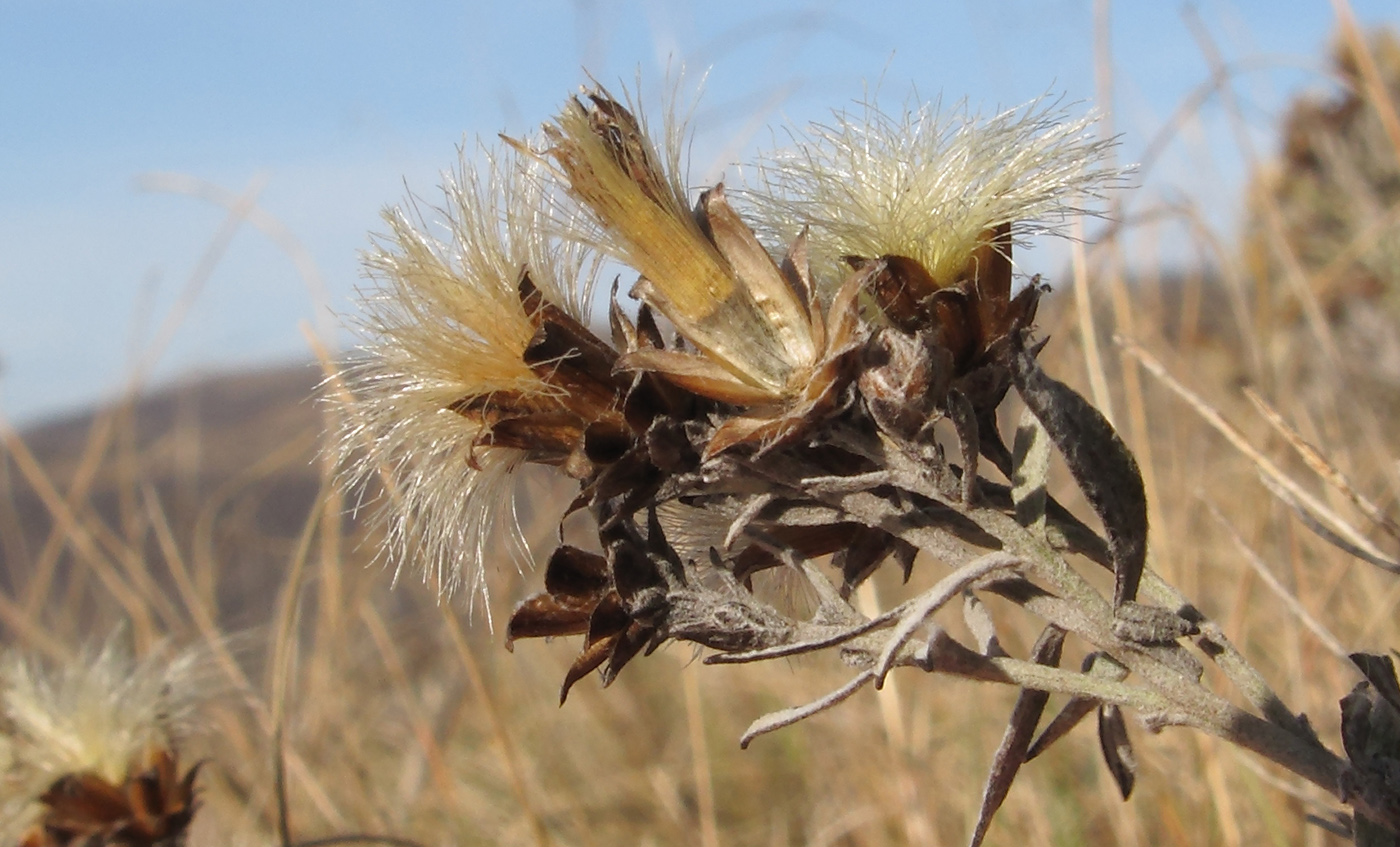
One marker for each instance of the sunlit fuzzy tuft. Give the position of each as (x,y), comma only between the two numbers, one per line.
(443,323)
(928,184)
(104,713)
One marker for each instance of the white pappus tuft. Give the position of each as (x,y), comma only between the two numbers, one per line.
(929,184)
(106,713)
(443,324)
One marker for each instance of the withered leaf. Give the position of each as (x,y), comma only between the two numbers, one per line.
(902,288)
(84,800)
(782,302)
(1117,748)
(626,646)
(609,618)
(1102,466)
(989,268)
(1032,470)
(865,550)
(606,440)
(544,616)
(633,571)
(149,808)
(964,418)
(575,581)
(1020,729)
(1095,664)
(697,374)
(548,437)
(796,269)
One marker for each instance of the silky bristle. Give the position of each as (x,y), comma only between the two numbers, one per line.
(103,714)
(444,324)
(928,184)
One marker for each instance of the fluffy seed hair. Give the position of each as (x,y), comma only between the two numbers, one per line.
(443,323)
(103,713)
(928,184)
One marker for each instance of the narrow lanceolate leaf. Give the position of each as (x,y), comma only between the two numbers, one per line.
(1019,731)
(1099,665)
(979,622)
(1031,458)
(1117,748)
(1102,465)
(964,418)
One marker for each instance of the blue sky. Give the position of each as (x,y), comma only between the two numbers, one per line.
(331,109)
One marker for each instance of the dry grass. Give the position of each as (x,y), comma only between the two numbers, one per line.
(397,716)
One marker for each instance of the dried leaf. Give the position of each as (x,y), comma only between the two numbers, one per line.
(543,616)
(1025,715)
(592,657)
(1100,462)
(1031,461)
(796,268)
(1117,748)
(787,316)
(979,622)
(697,374)
(787,717)
(902,288)
(1078,708)
(964,418)
(576,573)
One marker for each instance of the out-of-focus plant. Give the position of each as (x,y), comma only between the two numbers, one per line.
(1327,212)
(90,752)
(832,392)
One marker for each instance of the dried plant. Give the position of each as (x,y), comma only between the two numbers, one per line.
(762,410)
(90,752)
(1337,184)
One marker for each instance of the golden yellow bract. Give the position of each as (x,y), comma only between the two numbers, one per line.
(705,271)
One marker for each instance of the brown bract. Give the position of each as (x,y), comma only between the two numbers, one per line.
(595,596)
(151,808)
(944,349)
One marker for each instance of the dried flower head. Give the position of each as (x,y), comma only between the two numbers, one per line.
(930,185)
(448,332)
(480,358)
(704,270)
(89,752)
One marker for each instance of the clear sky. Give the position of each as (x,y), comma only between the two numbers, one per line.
(327,110)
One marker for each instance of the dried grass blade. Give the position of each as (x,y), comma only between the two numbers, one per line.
(1267,469)
(1320,466)
(1366,554)
(1294,606)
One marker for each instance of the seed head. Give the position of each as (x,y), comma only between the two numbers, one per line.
(445,331)
(929,185)
(91,748)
